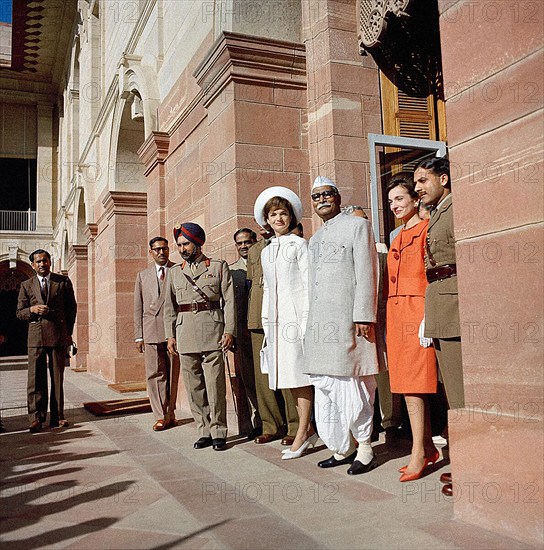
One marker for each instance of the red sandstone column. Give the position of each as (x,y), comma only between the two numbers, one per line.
(119,251)
(492,61)
(153,153)
(254,93)
(343,97)
(79,274)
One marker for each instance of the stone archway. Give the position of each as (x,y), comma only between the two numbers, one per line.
(120,250)
(13,333)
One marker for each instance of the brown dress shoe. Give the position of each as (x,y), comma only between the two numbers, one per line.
(447,490)
(445,478)
(160,425)
(35,427)
(265,438)
(287,440)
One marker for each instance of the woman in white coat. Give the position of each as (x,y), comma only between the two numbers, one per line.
(285,307)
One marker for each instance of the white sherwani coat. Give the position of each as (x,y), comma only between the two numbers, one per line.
(284,311)
(343,282)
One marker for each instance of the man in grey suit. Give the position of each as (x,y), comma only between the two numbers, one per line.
(340,342)
(162,371)
(48,304)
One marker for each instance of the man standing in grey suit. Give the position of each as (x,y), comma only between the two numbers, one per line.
(162,371)
(340,340)
(48,304)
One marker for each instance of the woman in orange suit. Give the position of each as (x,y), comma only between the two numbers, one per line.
(412,367)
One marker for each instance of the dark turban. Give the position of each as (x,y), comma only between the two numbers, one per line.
(192,232)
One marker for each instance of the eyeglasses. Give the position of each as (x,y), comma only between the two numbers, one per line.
(324,194)
(161,248)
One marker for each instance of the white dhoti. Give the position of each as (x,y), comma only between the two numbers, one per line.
(344,406)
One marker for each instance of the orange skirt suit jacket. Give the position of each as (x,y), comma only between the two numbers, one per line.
(412,368)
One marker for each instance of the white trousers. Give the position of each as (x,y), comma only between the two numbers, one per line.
(344,407)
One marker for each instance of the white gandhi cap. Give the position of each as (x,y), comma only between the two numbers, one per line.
(321,181)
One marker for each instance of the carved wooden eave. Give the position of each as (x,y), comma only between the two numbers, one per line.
(154,150)
(373,16)
(251,59)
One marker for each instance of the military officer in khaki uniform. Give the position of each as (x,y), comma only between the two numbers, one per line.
(199,323)
(433,184)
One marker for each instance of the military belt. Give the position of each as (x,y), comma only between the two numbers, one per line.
(196,307)
(441,272)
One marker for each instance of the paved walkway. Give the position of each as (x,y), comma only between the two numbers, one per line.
(114,483)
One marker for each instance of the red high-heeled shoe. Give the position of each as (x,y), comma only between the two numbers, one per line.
(417,475)
(433,459)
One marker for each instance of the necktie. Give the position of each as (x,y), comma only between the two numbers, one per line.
(161,273)
(44,290)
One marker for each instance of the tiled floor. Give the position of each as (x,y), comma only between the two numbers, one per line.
(114,483)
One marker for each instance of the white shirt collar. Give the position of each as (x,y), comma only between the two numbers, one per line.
(157,267)
(48,277)
(442,201)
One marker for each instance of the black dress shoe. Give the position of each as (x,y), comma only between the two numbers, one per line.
(203,442)
(35,427)
(255,432)
(219,444)
(332,462)
(359,468)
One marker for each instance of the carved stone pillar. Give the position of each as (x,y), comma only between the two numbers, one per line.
(153,153)
(343,97)
(79,275)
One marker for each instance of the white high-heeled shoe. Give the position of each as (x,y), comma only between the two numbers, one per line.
(309,443)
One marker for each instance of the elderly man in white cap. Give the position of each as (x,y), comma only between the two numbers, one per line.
(340,344)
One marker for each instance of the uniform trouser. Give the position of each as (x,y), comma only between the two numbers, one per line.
(448,353)
(40,360)
(267,399)
(204,378)
(162,373)
(390,403)
(244,358)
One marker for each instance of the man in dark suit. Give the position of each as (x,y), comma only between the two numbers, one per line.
(162,370)
(48,304)
(433,184)
(244,239)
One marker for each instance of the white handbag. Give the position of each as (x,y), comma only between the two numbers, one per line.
(264,358)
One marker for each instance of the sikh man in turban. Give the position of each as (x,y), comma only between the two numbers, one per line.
(199,323)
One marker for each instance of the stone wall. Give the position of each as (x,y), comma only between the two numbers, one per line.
(495,132)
